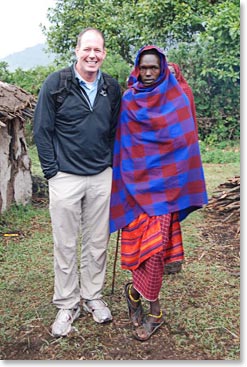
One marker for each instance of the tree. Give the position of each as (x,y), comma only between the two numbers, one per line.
(202,36)
(212,68)
(5,75)
(127,25)
(30,80)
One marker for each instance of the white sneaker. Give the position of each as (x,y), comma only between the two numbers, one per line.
(64,320)
(98,308)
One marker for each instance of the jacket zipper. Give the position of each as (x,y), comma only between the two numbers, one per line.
(86,97)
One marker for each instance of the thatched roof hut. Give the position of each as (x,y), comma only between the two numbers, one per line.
(16,106)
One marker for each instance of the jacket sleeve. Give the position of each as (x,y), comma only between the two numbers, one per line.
(44,123)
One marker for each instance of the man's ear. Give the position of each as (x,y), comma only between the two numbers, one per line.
(76,51)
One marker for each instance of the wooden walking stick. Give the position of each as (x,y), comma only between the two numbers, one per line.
(115,262)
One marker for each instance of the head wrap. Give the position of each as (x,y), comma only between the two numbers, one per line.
(135,74)
(157,165)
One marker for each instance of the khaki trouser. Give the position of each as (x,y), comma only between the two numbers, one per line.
(79,203)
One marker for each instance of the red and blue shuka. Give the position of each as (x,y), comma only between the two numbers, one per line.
(157,166)
(157,176)
(186,88)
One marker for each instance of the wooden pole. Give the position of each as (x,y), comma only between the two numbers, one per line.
(115,262)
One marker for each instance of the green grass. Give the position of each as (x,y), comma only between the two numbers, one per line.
(201,302)
(221,153)
(33,154)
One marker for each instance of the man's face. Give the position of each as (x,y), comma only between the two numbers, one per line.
(91,53)
(149,67)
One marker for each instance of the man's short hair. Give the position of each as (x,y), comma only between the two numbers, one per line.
(85,31)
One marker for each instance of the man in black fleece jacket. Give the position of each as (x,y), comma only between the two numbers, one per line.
(75,141)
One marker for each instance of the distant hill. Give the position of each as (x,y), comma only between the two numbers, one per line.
(29,58)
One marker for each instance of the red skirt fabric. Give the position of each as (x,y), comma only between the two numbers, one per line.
(148,275)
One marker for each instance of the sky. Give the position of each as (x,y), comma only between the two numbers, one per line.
(19,24)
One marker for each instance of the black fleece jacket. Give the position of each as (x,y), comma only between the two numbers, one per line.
(75,137)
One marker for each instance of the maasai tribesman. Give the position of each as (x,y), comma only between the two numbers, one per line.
(158,180)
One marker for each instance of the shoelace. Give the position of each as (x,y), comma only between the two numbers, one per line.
(64,315)
(97,305)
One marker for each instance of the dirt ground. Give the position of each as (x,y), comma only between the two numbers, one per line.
(115,343)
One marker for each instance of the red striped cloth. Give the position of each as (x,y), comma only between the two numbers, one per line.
(173,247)
(148,270)
(141,239)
